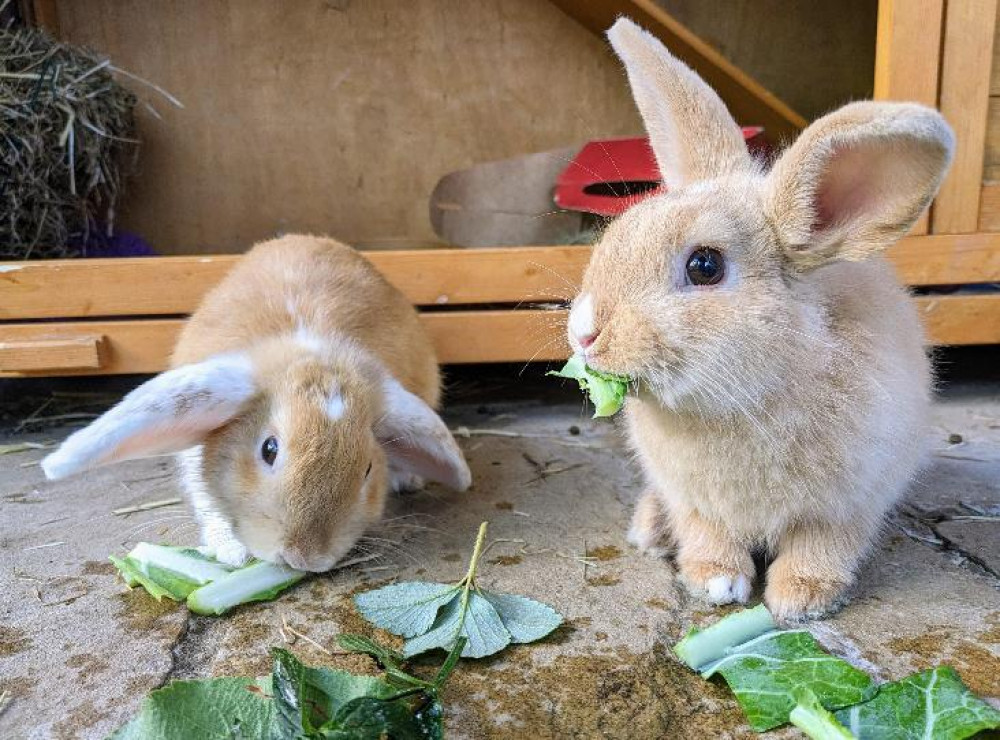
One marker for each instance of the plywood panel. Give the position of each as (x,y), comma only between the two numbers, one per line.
(991,166)
(340,117)
(814,56)
(964,99)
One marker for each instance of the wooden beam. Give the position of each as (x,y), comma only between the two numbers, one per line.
(989,208)
(908,57)
(749,101)
(144,345)
(52,355)
(94,288)
(964,101)
(174,285)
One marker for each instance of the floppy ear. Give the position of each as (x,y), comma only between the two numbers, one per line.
(691,132)
(169,413)
(856,180)
(416,439)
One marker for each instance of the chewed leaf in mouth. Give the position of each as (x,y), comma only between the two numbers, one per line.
(606,391)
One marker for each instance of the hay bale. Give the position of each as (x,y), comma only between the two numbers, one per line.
(67,138)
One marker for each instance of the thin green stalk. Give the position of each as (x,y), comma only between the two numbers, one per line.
(469,582)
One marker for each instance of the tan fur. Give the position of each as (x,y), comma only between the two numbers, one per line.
(785,408)
(304,342)
(281,296)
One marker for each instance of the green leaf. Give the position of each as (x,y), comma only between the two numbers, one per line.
(525,619)
(606,391)
(814,720)
(406,609)
(211,709)
(479,624)
(258,581)
(932,705)
(133,576)
(701,647)
(765,673)
(374,719)
(306,698)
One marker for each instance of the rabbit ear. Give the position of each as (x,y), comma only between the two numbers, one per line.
(169,413)
(691,132)
(856,180)
(417,441)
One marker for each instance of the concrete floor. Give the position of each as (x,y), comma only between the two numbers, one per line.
(78,651)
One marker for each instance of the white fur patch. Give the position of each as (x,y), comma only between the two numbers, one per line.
(335,405)
(581,317)
(725,590)
(310,340)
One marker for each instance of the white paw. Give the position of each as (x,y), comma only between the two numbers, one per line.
(726,590)
(404,481)
(225,548)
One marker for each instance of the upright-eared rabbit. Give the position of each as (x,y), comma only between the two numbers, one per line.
(782,383)
(302,390)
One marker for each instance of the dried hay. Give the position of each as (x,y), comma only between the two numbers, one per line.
(66,143)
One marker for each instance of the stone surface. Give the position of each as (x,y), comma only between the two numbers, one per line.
(78,651)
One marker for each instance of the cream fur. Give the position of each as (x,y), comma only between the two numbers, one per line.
(783,409)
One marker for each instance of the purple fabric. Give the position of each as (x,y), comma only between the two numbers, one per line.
(121,244)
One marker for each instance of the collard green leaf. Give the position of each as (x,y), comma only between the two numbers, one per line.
(217,708)
(765,673)
(932,705)
(409,718)
(406,609)
(701,647)
(815,720)
(479,624)
(525,619)
(306,698)
(606,391)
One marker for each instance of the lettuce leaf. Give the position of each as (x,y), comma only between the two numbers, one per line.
(606,391)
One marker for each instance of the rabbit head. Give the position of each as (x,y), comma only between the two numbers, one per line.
(708,277)
(292,441)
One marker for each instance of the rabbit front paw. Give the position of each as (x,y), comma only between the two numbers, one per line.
(649,526)
(716,584)
(794,595)
(221,543)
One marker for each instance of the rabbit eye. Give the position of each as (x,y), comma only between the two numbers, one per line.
(705,266)
(269,450)
(368,471)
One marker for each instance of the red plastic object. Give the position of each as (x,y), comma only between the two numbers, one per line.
(606,177)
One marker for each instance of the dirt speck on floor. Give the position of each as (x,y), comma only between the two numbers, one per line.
(13,640)
(506,560)
(978,667)
(79,719)
(604,553)
(605,579)
(98,568)
(141,613)
(504,505)
(614,695)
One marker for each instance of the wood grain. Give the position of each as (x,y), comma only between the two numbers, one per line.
(52,355)
(989,207)
(964,99)
(748,101)
(175,285)
(62,289)
(339,118)
(144,346)
(908,57)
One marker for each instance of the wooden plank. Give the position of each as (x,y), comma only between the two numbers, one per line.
(748,100)
(961,319)
(908,55)
(175,285)
(69,289)
(144,346)
(991,163)
(33,355)
(964,99)
(989,209)
(947,259)
(995,69)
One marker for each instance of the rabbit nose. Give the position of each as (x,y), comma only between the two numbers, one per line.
(295,558)
(587,339)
